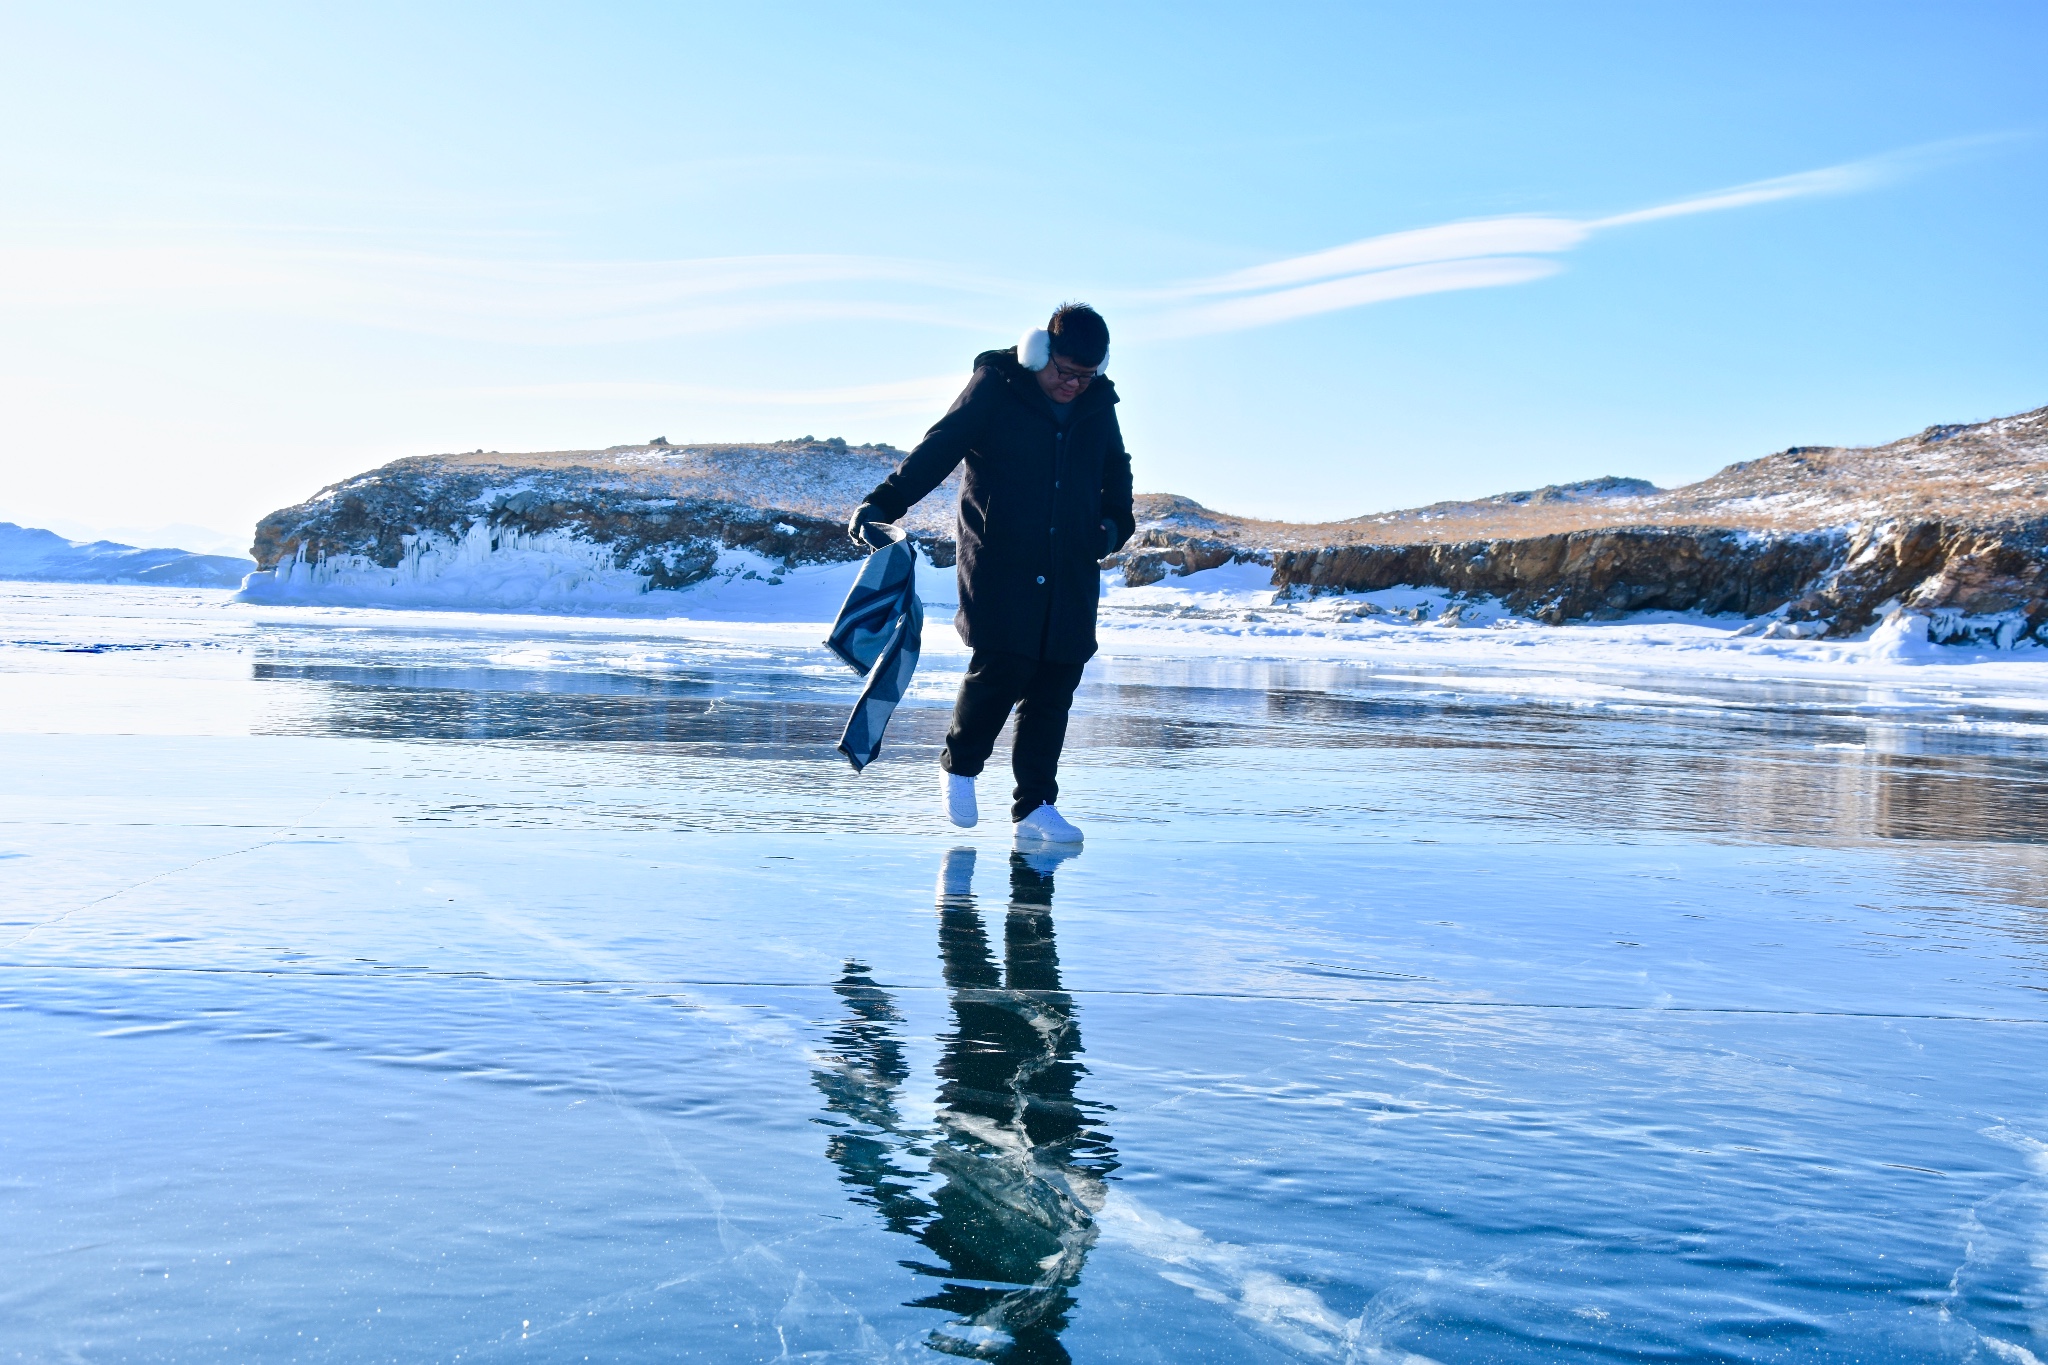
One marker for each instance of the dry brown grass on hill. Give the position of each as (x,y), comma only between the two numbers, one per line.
(1985,474)
(816,478)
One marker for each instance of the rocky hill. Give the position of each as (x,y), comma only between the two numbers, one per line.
(658,511)
(1952,522)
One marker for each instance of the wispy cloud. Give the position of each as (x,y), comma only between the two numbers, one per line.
(1356,291)
(549,303)
(1847,179)
(518,301)
(1447,242)
(908,396)
(1481,253)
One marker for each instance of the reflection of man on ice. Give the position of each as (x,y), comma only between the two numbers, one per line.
(1003,1190)
(1047,493)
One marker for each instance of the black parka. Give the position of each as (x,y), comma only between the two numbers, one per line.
(1032,504)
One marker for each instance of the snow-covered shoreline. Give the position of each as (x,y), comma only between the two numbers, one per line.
(1232,610)
(1224,614)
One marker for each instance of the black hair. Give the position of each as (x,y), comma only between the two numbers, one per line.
(1079,334)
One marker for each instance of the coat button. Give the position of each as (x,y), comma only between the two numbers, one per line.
(1041,580)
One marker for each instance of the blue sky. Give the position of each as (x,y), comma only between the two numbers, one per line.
(1355,257)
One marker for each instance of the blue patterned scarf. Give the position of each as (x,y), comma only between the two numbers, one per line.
(878,633)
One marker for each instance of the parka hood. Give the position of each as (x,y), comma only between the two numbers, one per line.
(1025,382)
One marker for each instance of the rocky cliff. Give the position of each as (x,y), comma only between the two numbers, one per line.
(1951,523)
(656,516)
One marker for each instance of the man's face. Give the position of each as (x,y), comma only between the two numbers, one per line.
(1063,380)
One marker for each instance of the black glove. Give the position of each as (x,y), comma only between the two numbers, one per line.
(857,526)
(1109,538)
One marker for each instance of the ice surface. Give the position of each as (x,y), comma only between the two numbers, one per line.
(387,984)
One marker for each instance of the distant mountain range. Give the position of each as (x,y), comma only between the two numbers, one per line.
(46,557)
(1951,523)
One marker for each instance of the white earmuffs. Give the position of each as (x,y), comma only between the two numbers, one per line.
(1034,351)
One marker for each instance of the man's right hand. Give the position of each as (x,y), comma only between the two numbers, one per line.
(865,516)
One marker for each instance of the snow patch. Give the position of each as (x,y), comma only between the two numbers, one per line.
(1901,638)
(505,569)
(1241,597)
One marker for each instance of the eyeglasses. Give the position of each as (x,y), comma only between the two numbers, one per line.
(1069,375)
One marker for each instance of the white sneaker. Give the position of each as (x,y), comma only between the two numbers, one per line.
(956,875)
(960,807)
(1048,857)
(1046,826)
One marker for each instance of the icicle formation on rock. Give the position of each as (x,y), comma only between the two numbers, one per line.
(571,529)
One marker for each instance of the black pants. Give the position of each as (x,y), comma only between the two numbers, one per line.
(1042,691)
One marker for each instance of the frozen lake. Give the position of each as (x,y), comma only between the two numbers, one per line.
(386,986)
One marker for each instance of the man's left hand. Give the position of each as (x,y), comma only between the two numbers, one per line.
(1109,538)
(859,527)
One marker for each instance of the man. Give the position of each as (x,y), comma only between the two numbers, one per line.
(1047,493)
